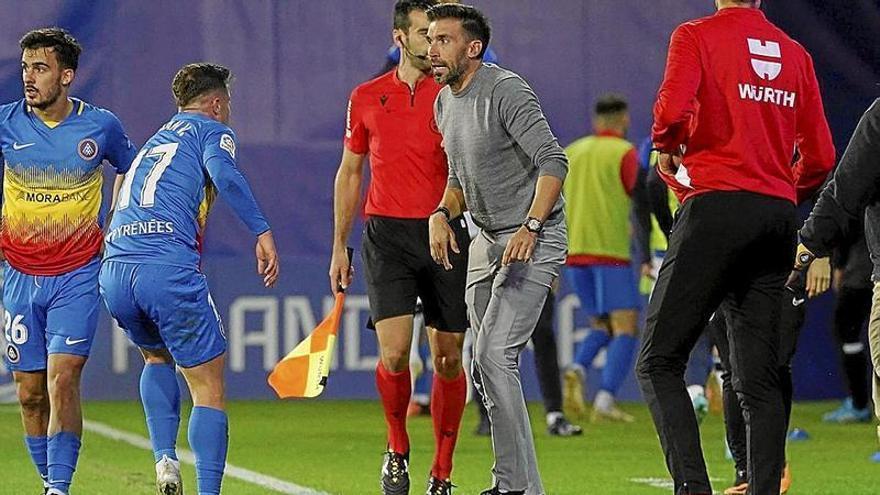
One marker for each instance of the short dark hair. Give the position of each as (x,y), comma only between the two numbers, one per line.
(611,104)
(472,20)
(65,46)
(194,80)
(403,7)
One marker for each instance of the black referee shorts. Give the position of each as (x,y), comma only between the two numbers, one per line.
(398,269)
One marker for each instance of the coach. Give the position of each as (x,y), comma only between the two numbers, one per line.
(738,97)
(506,166)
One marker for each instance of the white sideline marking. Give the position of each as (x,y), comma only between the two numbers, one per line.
(187,456)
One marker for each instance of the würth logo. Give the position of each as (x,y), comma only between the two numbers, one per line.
(770,64)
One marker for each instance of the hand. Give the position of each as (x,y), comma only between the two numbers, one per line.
(341,271)
(520,247)
(648,270)
(267,258)
(818,277)
(837,279)
(803,257)
(668,163)
(441,238)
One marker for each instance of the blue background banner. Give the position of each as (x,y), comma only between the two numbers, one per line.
(295,64)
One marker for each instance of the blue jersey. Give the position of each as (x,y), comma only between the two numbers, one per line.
(53,211)
(168,191)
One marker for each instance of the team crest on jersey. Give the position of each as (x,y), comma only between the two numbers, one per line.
(87,148)
(228,144)
(12,354)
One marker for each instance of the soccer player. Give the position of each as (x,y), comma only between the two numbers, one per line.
(150,279)
(507,168)
(603,184)
(53,146)
(391,120)
(738,97)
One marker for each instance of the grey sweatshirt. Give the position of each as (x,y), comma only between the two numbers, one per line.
(498,143)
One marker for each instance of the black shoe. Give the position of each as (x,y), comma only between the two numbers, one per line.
(562,428)
(395,474)
(495,491)
(439,487)
(484,429)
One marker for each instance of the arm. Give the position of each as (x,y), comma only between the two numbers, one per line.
(120,153)
(814,141)
(852,188)
(642,216)
(219,162)
(346,198)
(441,238)
(521,115)
(674,109)
(658,197)
(117,185)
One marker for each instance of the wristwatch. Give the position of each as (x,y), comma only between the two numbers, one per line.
(533,225)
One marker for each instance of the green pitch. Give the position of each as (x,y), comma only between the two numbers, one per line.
(336,447)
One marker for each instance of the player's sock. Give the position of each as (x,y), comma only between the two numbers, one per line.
(394,390)
(62,454)
(621,353)
(590,347)
(208,438)
(160,395)
(36,447)
(447,406)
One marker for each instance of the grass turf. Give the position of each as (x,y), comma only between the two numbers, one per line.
(336,447)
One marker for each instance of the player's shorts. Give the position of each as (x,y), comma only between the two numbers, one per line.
(164,307)
(603,289)
(49,315)
(399,269)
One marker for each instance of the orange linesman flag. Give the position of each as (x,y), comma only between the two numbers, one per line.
(304,371)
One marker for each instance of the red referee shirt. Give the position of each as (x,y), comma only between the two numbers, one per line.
(396,126)
(743,98)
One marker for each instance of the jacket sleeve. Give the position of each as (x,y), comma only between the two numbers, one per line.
(853,186)
(814,141)
(675,106)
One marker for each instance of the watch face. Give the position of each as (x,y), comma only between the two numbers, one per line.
(533,225)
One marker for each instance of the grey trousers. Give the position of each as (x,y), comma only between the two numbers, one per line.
(504,303)
(874,343)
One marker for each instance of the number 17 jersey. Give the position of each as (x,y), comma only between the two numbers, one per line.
(164,201)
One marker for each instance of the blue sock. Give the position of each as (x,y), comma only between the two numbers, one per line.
(621,353)
(36,447)
(590,347)
(160,396)
(63,452)
(423,382)
(208,437)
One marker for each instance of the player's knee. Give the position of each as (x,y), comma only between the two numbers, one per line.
(64,381)
(448,365)
(209,395)
(33,400)
(395,360)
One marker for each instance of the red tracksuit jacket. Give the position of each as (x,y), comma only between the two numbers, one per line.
(741,98)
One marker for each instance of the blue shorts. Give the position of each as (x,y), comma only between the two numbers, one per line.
(164,307)
(49,315)
(603,289)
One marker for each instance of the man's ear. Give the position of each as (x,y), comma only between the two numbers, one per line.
(67,76)
(474,48)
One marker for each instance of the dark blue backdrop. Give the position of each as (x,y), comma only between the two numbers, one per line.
(296,62)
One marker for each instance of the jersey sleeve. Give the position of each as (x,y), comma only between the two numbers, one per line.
(218,157)
(120,151)
(356,136)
